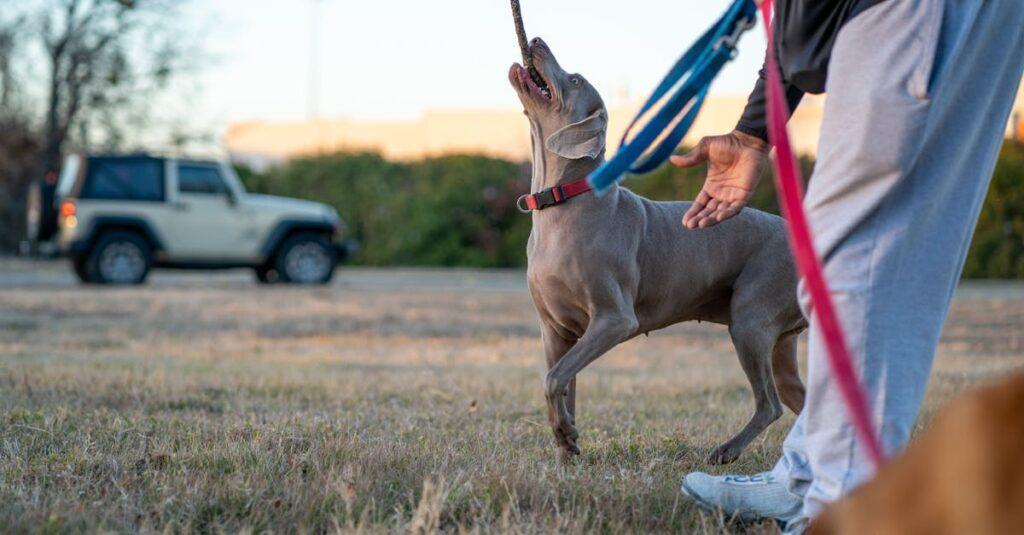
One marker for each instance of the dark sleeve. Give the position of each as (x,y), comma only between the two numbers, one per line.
(755,116)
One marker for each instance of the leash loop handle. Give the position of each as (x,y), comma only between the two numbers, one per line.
(684,89)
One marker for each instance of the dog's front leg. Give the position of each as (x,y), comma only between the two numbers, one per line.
(555,347)
(602,334)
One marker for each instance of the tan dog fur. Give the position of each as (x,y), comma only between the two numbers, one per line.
(965,474)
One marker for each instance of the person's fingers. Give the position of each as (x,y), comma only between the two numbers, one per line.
(729,211)
(699,213)
(707,210)
(710,220)
(698,155)
(698,204)
(703,198)
(690,217)
(722,210)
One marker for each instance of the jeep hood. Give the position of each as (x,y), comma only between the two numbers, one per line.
(286,205)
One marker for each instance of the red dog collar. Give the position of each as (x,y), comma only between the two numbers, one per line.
(552,196)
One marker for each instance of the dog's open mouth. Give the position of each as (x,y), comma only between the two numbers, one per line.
(532,81)
(539,81)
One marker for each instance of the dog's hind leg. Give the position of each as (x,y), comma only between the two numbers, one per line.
(603,333)
(786,371)
(754,347)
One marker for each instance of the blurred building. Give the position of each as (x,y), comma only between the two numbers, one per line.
(501,133)
(1016,127)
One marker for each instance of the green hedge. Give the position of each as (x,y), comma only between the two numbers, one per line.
(447,211)
(459,210)
(997,250)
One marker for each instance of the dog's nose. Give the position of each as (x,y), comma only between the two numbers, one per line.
(537,41)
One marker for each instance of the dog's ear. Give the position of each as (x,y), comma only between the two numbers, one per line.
(584,139)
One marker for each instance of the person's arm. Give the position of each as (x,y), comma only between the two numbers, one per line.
(734,161)
(754,120)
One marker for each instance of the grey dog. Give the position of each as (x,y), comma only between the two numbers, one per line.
(605,269)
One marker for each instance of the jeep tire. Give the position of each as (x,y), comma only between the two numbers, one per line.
(306,258)
(80,265)
(119,257)
(267,275)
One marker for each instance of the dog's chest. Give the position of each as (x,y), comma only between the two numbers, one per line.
(557,294)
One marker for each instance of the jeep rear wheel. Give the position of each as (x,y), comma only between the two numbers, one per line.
(267,275)
(120,258)
(306,259)
(80,265)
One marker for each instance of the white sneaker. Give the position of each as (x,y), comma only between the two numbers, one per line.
(759,496)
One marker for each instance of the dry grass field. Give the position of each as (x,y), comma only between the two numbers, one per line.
(393,400)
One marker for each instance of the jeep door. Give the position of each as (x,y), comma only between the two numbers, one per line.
(208,225)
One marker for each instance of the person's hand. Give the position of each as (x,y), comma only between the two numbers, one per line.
(734,169)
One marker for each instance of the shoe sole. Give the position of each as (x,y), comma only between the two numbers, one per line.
(692,495)
(685,490)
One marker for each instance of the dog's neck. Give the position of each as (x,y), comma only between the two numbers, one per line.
(552,170)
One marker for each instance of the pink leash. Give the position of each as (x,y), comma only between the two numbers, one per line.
(788,182)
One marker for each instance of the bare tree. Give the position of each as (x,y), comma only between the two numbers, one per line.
(103,56)
(73,72)
(8,43)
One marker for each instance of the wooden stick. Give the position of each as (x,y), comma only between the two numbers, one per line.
(517,18)
(524,49)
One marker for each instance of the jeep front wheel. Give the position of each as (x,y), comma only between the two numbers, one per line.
(306,259)
(120,258)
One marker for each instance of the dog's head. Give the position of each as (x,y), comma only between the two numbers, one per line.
(568,112)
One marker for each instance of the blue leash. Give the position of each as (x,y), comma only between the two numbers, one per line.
(696,70)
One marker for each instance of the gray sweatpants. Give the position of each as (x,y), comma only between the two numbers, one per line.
(919,93)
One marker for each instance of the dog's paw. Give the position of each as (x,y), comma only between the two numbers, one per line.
(565,436)
(724,454)
(564,429)
(566,457)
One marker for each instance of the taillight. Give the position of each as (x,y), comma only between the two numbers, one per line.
(67,214)
(68,208)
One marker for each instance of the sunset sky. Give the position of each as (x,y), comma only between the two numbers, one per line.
(389,59)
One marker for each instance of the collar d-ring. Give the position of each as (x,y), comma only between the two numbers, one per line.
(521,204)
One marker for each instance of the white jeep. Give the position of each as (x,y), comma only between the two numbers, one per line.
(118,216)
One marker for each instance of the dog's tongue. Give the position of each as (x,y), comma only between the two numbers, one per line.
(524,48)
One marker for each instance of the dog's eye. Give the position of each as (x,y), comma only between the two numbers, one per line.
(575,80)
